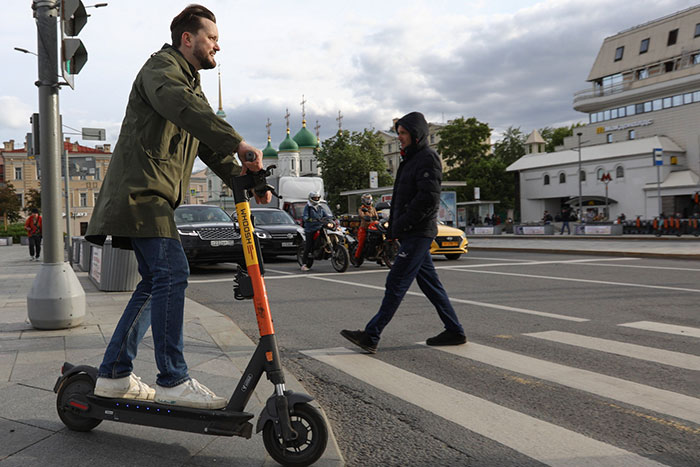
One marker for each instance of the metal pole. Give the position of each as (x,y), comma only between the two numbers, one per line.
(580,197)
(658,186)
(66,184)
(56,299)
(606,201)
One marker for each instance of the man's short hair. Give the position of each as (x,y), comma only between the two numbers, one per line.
(189,20)
(35,211)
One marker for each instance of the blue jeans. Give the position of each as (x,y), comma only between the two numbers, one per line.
(413,261)
(159,302)
(565,225)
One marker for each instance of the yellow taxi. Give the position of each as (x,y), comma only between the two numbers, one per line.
(450,242)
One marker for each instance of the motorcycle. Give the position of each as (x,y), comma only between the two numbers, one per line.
(378,246)
(329,243)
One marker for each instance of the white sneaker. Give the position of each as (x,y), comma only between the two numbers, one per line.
(128,387)
(190,394)
(305,268)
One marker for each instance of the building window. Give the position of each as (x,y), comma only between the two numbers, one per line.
(593,118)
(672,37)
(18,173)
(83,200)
(599,173)
(657,104)
(582,175)
(669,66)
(621,112)
(390,148)
(647,106)
(19,198)
(97,173)
(632,134)
(696,59)
(546,179)
(562,177)
(630,110)
(643,73)
(613,113)
(619,172)
(609,138)
(696,96)
(644,46)
(677,100)
(94,199)
(688,98)
(619,52)
(668,103)
(697,30)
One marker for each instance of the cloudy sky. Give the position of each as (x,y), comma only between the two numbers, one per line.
(505,62)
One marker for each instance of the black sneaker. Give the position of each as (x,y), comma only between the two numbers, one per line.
(447,338)
(360,339)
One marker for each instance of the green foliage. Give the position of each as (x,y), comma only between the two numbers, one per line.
(13,230)
(346,160)
(555,136)
(9,203)
(32,199)
(463,142)
(511,147)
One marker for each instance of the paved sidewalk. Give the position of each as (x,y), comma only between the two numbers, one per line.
(685,247)
(31,433)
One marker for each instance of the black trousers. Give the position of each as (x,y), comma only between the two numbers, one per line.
(35,246)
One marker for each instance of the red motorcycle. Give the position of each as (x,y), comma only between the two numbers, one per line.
(378,246)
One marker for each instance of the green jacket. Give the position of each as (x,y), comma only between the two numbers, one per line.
(149,173)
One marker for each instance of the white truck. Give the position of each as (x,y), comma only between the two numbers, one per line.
(294,192)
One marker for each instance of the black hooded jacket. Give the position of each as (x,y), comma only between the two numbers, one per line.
(416,196)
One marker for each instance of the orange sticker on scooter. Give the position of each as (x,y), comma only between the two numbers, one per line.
(268,356)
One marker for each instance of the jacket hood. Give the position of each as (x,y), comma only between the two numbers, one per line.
(417,126)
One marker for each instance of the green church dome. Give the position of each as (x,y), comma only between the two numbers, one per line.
(269,151)
(288,145)
(305,139)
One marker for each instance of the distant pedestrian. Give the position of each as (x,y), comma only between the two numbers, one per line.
(565,218)
(33,227)
(413,220)
(547,218)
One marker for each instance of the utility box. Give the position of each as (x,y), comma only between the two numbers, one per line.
(113,269)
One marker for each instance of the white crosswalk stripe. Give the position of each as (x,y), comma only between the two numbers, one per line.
(663,327)
(647,397)
(666,357)
(540,440)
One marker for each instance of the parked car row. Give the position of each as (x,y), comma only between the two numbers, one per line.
(209,235)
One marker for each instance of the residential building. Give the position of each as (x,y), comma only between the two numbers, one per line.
(87,168)
(197,193)
(644,94)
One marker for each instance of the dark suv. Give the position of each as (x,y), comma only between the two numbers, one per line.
(281,231)
(208,234)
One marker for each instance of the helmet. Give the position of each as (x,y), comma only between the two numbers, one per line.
(314,198)
(366,199)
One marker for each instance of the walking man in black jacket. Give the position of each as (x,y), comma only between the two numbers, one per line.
(413,220)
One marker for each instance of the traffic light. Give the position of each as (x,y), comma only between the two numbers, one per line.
(73,52)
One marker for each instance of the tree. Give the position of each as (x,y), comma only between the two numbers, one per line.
(346,160)
(32,200)
(9,204)
(463,143)
(511,147)
(555,136)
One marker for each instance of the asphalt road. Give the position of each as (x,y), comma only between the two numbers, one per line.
(571,360)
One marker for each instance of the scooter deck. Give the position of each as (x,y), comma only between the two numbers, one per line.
(211,422)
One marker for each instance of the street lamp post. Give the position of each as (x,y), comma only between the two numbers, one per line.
(580,197)
(56,299)
(606,178)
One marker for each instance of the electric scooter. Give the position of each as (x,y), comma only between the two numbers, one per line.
(294,432)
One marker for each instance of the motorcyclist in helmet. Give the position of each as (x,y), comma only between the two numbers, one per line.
(311,217)
(367,214)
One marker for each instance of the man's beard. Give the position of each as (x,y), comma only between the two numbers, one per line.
(206,61)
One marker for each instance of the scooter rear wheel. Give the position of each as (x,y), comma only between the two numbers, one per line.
(76,388)
(310,444)
(357,262)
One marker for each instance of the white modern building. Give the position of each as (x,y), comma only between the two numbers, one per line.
(644,95)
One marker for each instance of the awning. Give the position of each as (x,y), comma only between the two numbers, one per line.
(589,201)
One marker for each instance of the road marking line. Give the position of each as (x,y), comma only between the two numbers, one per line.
(665,268)
(537,439)
(647,397)
(651,354)
(571,279)
(686,331)
(534,263)
(467,302)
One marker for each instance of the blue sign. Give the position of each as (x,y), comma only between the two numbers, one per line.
(658,156)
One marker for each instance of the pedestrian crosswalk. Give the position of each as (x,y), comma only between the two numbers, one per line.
(541,439)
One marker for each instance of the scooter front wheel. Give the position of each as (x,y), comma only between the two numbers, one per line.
(312,437)
(72,394)
(340,259)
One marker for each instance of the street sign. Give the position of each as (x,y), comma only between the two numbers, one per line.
(658,156)
(97,134)
(373,179)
